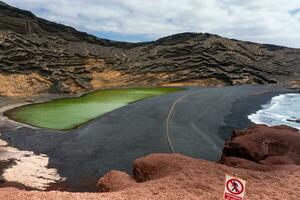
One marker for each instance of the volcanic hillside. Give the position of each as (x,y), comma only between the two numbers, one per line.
(41,56)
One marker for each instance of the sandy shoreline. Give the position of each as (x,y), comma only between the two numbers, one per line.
(115,135)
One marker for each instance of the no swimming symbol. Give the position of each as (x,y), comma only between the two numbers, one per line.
(234,188)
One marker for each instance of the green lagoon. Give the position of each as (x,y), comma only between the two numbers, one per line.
(65,114)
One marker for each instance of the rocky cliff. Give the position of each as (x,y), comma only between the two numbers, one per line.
(263,148)
(51,57)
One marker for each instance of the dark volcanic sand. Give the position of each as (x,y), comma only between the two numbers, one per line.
(198,126)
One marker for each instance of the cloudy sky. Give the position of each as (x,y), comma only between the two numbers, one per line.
(265,21)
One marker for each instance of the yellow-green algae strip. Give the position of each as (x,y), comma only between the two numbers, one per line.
(65,114)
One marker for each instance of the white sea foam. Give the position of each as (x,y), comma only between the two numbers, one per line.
(278,111)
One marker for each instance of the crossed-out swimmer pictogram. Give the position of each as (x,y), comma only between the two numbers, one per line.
(234,186)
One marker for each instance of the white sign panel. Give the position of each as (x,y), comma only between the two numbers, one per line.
(234,188)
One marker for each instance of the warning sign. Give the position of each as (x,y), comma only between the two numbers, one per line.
(234,188)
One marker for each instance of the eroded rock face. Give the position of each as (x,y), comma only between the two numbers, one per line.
(294,84)
(74,61)
(23,84)
(263,148)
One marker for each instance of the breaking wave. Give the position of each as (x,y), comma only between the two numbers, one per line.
(281,110)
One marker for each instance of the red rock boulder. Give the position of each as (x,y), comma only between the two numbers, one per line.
(114,181)
(263,145)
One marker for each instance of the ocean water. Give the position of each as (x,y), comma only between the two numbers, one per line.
(278,111)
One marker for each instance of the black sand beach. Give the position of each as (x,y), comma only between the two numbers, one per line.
(201,120)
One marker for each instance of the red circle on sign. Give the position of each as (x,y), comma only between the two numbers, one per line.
(233,183)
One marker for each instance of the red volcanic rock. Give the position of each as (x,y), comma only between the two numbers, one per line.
(177,177)
(155,167)
(114,181)
(263,145)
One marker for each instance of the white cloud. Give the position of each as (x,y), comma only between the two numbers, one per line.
(266,21)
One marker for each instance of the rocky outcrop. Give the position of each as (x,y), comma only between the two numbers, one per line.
(74,61)
(294,84)
(263,148)
(23,84)
(297,120)
(115,181)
